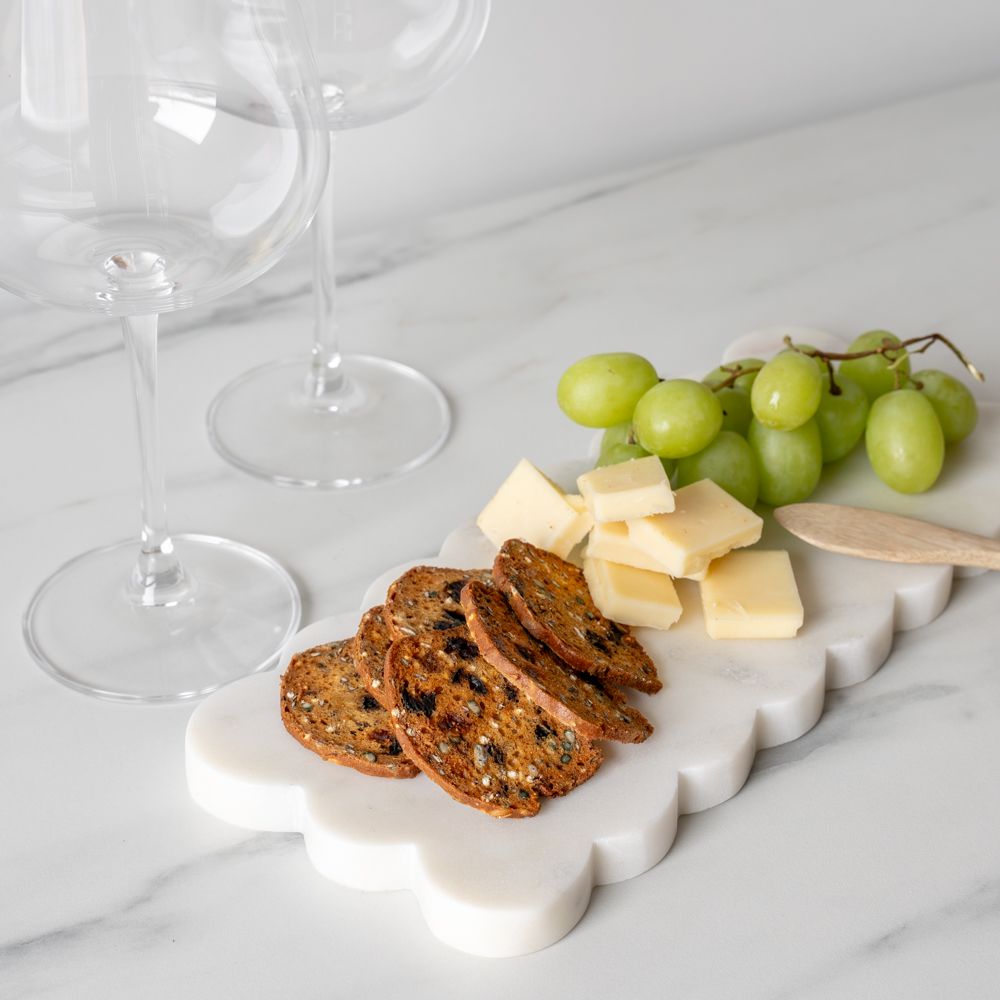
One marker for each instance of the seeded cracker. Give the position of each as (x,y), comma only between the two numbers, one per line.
(325,706)
(575,699)
(474,733)
(371,645)
(551,598)
(426,599)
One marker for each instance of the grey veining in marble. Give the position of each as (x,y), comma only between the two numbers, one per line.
(859,861)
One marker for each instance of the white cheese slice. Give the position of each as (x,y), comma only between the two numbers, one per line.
(706,523)
(632,596)
(529,505)
(576,531)
(610,540)
(636,488)
(751,595)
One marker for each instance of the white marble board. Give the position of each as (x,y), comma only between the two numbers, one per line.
(502,887)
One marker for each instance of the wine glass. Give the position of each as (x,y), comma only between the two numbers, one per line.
(152,157)
(339,420)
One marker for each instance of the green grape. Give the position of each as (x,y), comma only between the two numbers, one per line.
(841,418)
(616,453)
(904,441)
(873,373)
(616,434)
(729,462)
(954,405)
(618,445)
(736,412)
(677,418)
(744,382)
(787,391)
(602,389)
(620,453)
(789,463)
(799,348)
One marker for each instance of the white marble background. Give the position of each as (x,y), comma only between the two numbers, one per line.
(567,89)
(858,861)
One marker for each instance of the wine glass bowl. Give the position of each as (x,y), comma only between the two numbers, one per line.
(334,420)
(379,60)
(170,186)
(154,157)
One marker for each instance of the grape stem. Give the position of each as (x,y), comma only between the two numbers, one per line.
(734,372)
(924,341)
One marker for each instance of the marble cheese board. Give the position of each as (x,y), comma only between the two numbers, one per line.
(507,887)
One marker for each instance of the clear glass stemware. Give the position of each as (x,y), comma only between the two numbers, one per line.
(337,420)
(153,157)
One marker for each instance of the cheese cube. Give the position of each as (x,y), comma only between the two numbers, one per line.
(636,488)
(751,595)
(610,540)
(576,531)
(529,505)
(706,523)
(632,596)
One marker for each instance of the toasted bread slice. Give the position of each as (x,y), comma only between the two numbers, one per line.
(325,706)
(573,698)
(474,734)
(370,647)
(551,598)
(426,599)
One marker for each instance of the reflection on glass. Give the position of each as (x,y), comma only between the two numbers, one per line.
(331,419)
(154,157)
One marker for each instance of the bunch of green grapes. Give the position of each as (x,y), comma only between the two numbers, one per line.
(764,430)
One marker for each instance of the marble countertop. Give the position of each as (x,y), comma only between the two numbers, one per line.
(860,860)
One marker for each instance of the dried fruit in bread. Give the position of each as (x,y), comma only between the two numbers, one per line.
(325,706)
(575,699)
(370,647)
(474,734)
(551,598)
(426,599)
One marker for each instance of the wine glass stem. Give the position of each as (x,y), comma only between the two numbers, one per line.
(325,376)
(157,577)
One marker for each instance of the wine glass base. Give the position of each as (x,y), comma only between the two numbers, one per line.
(82,629)
(388,420)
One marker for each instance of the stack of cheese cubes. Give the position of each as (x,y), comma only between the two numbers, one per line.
(642,535)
